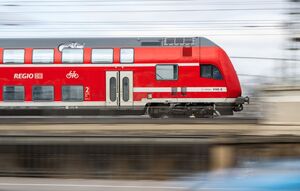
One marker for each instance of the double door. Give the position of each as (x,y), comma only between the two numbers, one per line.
(119,88)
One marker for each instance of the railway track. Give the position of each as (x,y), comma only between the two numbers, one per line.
(211,139)
(122,120)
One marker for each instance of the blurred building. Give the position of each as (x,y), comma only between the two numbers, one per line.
(294,39)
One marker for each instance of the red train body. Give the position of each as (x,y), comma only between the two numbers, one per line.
(158,76)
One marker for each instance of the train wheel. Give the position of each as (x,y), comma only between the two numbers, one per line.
(157,112)
(207,113)
(155,115)
(216,113)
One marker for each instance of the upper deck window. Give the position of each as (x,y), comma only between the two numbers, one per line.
(102,55)
(43,56)
(127,55)
(13,56)
(210,71)
(72,55)
(166,72)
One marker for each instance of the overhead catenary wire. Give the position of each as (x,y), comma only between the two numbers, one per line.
(265,58)
(104,25)
(151,11)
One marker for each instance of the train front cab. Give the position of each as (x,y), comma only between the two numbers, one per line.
(217,85)
(219,59)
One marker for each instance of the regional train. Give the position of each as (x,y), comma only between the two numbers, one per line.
(154,76)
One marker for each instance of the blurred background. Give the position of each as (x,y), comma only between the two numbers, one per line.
(260,36)
(258,147)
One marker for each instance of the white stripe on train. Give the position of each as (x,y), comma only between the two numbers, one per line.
(103,103)
(179,89)
(89,65)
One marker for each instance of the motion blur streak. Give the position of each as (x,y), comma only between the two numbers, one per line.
(257,150)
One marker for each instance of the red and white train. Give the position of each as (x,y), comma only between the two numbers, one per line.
(157,76)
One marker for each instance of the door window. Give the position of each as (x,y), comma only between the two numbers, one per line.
(113,89)
(125,83)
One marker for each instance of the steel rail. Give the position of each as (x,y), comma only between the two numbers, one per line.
(212,139)
(122,120)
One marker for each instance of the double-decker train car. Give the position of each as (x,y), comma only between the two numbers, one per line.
(156,76)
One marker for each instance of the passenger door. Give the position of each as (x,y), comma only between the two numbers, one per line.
(119,87)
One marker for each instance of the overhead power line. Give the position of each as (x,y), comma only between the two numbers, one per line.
(264,58)
(148,11)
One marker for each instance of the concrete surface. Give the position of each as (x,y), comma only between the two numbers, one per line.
(48,184)
(281,105)
(126,119)
(147,133)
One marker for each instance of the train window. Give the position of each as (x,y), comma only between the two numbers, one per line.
(13,56)
(166,72)
(102,55)
(42,56)
(42,93)
(125,82)
(188,40)
(216,73)
(13,93)
(113,89)
(72,93)
(210,71)
(169,41)
(72,55)
(155,43)
(127,55)
(205,71)
(178,40)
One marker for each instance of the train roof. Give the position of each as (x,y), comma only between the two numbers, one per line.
(104,42)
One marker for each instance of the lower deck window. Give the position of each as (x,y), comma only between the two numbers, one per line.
(210,71)
(72,93)
(42,93)
(13,93)
(166,72)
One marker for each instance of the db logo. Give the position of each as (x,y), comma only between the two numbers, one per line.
(72,75)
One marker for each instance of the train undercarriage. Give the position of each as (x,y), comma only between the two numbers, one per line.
(154,110)
(197,110)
